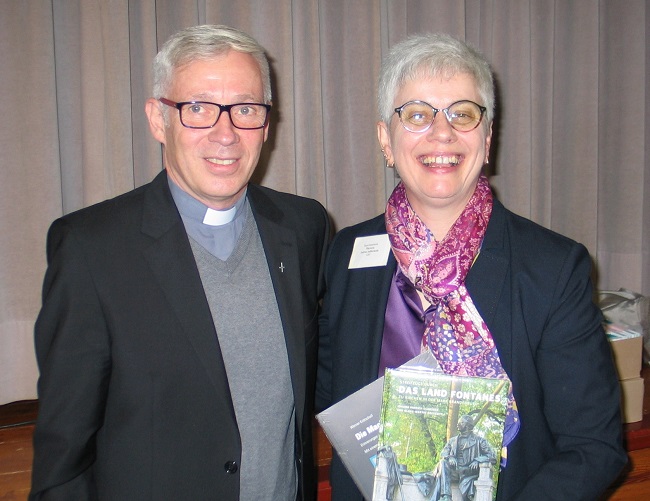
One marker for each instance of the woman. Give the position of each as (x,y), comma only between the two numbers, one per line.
(488,292)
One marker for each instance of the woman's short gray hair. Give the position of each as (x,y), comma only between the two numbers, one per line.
(205,42)
(432,55)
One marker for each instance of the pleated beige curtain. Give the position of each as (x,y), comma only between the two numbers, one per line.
(570,140)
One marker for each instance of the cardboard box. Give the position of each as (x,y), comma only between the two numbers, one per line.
(632,399)
(628,355)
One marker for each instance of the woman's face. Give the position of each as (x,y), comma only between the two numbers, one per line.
(440,166)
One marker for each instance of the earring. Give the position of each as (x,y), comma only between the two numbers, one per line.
(388,164)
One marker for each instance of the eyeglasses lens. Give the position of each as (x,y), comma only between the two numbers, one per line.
(464,115)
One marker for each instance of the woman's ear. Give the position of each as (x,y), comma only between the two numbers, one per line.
(383,135)
(488,142)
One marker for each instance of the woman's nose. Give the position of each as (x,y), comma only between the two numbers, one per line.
(440,128)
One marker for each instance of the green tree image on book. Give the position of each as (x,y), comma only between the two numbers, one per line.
(440,436)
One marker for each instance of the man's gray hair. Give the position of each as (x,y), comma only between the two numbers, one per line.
(201,43)
(432,55)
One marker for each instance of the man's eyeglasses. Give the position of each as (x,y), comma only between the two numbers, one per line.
(203,114)
(463,116)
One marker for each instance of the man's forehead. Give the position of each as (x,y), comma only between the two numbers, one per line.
(206,78)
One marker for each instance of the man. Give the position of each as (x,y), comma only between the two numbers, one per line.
(461,457)
(177,337)
(393,472)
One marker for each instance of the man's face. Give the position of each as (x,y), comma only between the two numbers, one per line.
(213,165)
(464,425)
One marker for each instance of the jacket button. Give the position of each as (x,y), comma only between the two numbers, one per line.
(231,467)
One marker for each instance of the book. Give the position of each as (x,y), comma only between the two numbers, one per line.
(352,427)
(439,433)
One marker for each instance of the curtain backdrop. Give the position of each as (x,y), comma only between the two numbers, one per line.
(571,138)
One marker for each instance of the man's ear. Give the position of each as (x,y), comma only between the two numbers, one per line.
(265,132)
(156,119)
(266,127)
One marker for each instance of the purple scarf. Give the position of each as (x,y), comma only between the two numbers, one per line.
(456,334)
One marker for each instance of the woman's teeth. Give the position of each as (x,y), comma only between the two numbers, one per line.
(441,160)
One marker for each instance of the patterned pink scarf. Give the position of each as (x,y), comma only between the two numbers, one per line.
(457,335)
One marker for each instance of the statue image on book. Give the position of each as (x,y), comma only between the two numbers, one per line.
(440,436)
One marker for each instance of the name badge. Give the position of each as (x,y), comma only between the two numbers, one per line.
(369,252)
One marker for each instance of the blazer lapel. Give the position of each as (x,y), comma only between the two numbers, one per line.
(486,279)
(172,263)
(281,250)
(373,290)
(377,288)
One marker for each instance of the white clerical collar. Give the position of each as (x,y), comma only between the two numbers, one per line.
(193,210)
(219,217)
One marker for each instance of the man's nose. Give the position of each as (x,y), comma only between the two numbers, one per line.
(223,131)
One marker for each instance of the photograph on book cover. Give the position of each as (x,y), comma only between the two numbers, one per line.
(440,437)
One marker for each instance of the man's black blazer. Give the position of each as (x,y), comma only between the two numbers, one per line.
(533,290)
(134,398)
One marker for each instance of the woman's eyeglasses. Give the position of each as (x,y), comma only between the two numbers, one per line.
(463,116)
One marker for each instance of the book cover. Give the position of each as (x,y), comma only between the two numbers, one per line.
(440,436)
(352,427)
